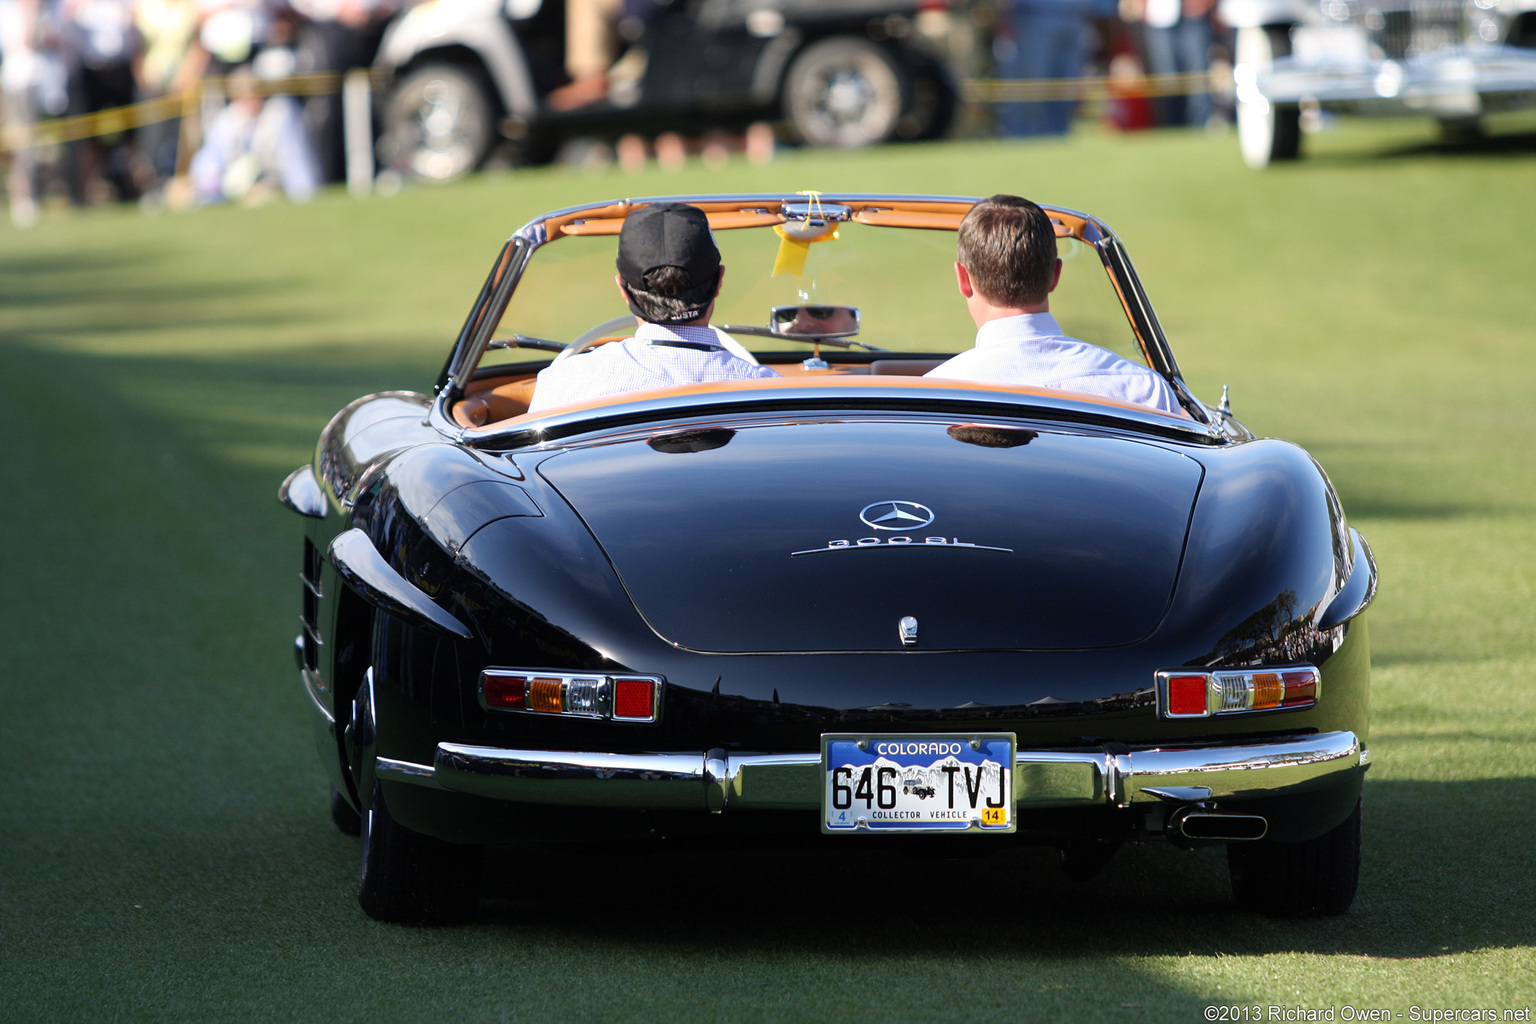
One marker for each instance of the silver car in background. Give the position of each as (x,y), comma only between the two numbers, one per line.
(1453,60)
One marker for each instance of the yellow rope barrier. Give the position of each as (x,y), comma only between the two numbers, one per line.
(1095,88)
(165,108)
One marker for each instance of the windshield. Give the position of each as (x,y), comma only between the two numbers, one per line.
(901,279)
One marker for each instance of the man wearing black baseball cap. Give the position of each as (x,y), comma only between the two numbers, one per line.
(669,274)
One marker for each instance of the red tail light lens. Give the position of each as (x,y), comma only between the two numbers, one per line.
(1300,688)
(634,699)
(505,691)
(1186,696)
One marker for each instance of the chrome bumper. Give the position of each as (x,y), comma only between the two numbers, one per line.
(716,780)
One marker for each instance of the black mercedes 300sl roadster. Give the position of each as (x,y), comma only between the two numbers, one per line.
(848,602)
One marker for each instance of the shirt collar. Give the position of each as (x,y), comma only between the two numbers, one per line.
(1011,330)
(692,335)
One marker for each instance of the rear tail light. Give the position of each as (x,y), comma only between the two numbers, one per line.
(617,698)
(1185,694)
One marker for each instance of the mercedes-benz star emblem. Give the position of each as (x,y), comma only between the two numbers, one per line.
(896,515)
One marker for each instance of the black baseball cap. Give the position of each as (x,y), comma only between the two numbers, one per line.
(668,235)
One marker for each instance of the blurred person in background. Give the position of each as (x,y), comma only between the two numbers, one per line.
(1043,40)
(168,28)
(33,84)
(1177,35)
(100,44)
(601,55)
(256,147)
(592,44)
(337,35)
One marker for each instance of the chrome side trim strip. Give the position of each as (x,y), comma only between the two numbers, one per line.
(715,780)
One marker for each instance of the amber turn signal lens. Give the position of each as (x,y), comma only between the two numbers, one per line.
(545,695)
(1268,691)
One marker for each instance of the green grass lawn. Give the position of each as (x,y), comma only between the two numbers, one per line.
(165,852)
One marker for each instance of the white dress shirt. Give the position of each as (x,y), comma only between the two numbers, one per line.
(656,357)
(1030,349)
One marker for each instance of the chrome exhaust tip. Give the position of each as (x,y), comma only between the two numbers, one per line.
(1200,825)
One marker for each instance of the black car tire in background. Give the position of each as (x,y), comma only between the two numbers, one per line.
(844,92)
(438,122)
(1266,132)
(408,878)
(1313,878)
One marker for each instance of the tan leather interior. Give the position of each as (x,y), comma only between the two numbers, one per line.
(904,367)
(487,402)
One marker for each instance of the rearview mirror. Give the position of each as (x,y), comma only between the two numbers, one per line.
(814,321)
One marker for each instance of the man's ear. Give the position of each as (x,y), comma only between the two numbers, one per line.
(719,281)
(963,278)
(1055,277)
(618,279)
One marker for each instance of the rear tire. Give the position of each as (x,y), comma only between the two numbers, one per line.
(409,878)
(844,93)
(439,122)
(1266,132)
(1313,878)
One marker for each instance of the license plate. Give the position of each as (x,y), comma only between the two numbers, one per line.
(958,782)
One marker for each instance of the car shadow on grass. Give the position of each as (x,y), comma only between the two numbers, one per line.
(1493,145)
(1444,871)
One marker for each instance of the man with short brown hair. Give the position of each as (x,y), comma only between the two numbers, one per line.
(1007,268)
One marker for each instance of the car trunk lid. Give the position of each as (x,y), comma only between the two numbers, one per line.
(877,535)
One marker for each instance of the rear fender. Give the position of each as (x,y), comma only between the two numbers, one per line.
(1268,552)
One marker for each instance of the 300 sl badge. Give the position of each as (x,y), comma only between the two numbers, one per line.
(899,541)
(917,783)
(897,515)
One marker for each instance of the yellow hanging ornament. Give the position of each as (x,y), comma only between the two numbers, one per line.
(796,236)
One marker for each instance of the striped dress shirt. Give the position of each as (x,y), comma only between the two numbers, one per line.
(656,357)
